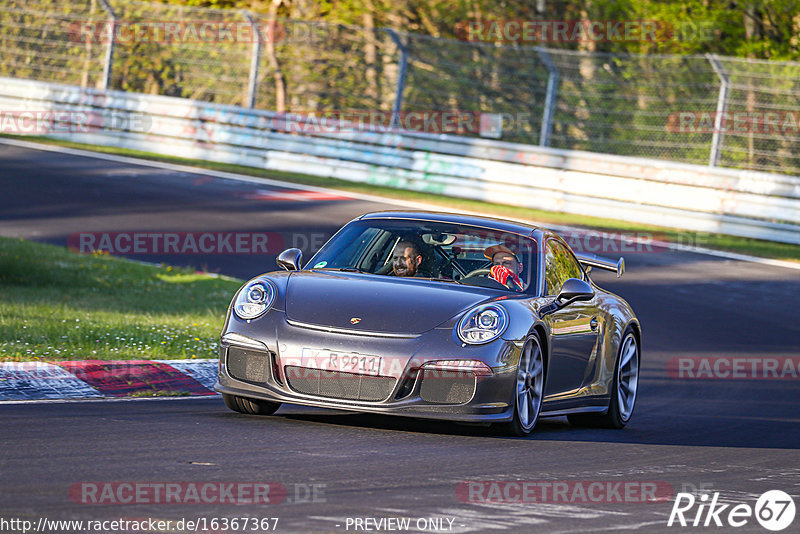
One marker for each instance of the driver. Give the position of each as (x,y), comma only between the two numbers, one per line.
(406,259)
(506,266)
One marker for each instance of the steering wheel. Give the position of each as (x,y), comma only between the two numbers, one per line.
(486,271)
(480,277)
(483,271)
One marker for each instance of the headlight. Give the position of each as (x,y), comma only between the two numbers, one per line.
(254,299)
(483,324)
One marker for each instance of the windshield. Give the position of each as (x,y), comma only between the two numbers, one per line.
(445,252)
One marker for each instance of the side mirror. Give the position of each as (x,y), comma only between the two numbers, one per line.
(291,259)
(574,289)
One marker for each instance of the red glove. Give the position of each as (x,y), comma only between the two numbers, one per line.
(502,274)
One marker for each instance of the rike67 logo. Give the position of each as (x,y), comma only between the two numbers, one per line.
(774,510)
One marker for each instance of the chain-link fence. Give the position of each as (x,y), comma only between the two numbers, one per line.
(696,109)
(35,41)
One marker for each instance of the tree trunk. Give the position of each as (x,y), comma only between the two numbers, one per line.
(751,30)
(87,46)
(370,54)
(269,46)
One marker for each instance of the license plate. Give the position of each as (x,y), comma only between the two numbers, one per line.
(347,362)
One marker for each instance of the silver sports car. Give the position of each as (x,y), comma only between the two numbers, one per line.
(433,315)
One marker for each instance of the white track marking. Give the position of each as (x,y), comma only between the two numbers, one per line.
(113,399)
(376,198)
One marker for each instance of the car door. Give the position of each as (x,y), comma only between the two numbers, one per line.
(573,328)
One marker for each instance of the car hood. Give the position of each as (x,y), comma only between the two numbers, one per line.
(383,304)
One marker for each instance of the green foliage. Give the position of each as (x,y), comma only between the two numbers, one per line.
(744,28)
(59,305)
(614,96)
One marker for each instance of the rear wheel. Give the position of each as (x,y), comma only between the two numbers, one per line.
(529,389)
(624,389)
(250,406)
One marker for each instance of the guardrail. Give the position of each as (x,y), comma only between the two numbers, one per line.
(693,197)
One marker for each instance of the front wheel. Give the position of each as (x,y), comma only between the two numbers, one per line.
(529,389)
(250,406)
(624,389)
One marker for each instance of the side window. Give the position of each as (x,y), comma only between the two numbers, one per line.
(355,247)
(559,266)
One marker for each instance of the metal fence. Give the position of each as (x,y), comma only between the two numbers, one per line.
(623,105)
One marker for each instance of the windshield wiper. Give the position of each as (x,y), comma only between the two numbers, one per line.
(443,280)
(346,269)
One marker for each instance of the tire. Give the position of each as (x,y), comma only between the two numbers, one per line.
(623,399)
(250,406)
(528,389)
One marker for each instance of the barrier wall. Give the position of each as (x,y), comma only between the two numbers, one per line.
(693,197)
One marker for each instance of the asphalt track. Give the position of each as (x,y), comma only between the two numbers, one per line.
(736,437)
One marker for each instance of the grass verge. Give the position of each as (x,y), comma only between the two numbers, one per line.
(59,305)
(741,245)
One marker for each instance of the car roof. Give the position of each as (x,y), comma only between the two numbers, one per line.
(456,218)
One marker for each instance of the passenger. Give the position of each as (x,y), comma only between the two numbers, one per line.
(406,259)
(506,266)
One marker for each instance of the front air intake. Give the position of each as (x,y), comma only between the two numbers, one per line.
(447,387)
(339,385)
(249,365)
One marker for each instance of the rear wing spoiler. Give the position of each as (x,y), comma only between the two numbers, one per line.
(591,260)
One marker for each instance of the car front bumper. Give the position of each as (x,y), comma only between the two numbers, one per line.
(263,360)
